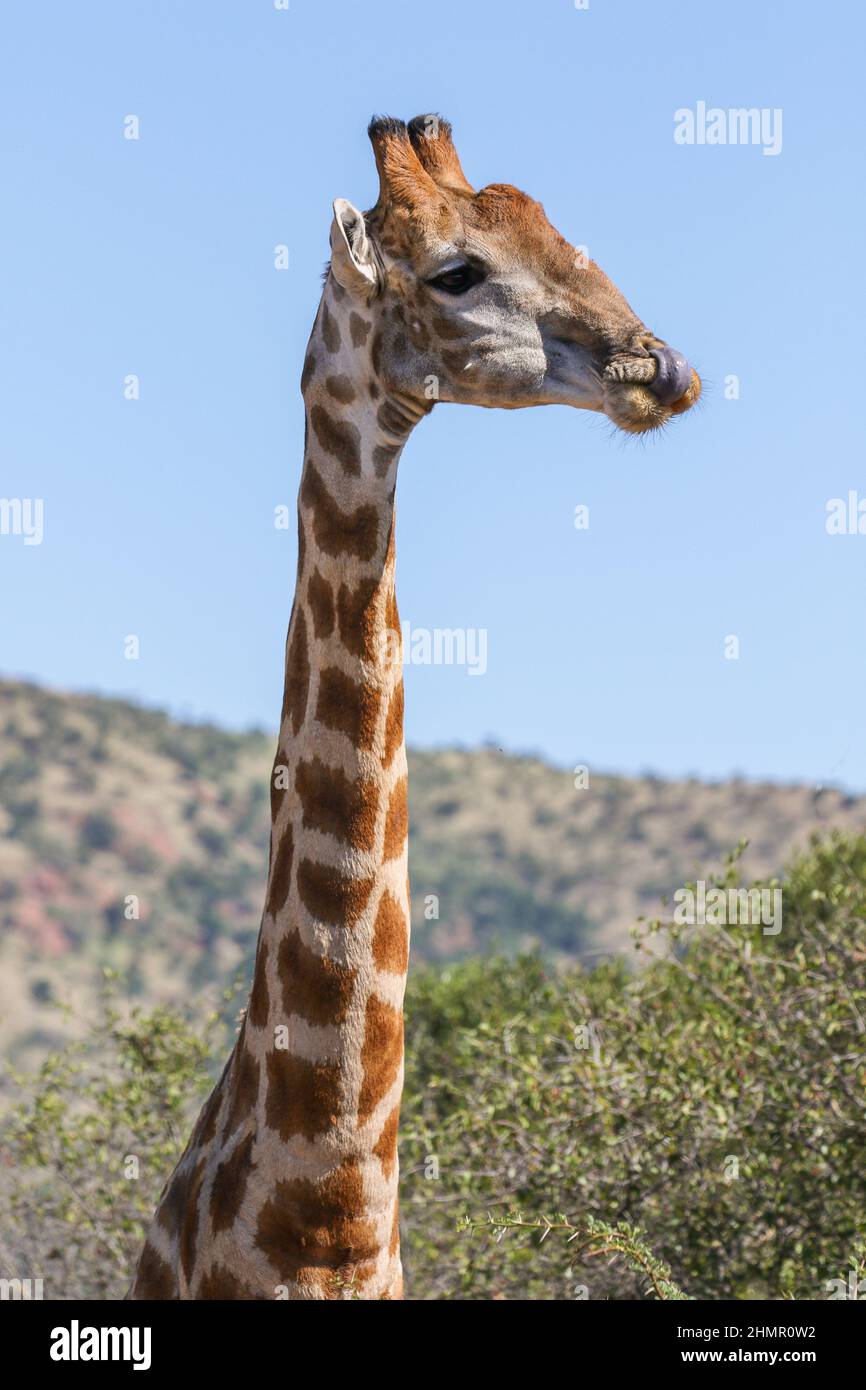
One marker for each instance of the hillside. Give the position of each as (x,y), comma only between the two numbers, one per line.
(715,1102)
(102,801)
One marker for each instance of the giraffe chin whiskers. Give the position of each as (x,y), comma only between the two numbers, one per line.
(633,408)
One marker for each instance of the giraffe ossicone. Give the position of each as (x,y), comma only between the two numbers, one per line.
(288,1186)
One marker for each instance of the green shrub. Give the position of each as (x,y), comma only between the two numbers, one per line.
(715,1100)
(90,1143)
(692,1129)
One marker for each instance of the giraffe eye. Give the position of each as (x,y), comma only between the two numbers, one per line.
(458,279)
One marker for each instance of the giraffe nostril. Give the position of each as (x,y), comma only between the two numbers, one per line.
(673,376)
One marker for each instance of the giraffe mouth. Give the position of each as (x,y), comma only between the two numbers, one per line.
(638,391)
(662,369)
(638,406)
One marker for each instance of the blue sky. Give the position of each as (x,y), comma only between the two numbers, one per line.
(155,257)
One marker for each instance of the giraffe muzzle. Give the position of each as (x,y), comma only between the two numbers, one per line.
(673,375)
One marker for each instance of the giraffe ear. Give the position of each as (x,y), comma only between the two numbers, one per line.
(353,262)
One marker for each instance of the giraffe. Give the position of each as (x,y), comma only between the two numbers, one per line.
(288,1186)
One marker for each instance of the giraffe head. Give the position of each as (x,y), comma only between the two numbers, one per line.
(476,298)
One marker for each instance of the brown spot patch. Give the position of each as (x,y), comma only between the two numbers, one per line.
(309,369)
(338,437)
(359,329)
(309,1230)
(397,822)
(329,896)
(381,1055)
(302,545)
(392,616)
(330,330)
(230,1185)
(341,388)
(245,1087)
(302,1097)
(315,987)
(375,393)
(335,805)
(338,532)
(358,621)
(297,674)
(394,1243)
(390,937)
(383,457)
(385,1147)
(154,1279)
(376,353)
(190,1223)
(320,597)
(444,328)
(172,1202)
(393,726)
(348,707)
(205,1129)
(281,871)
(257,1013)
(219,1284)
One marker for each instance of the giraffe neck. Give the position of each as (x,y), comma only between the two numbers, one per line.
(288,1187)
(333,953)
